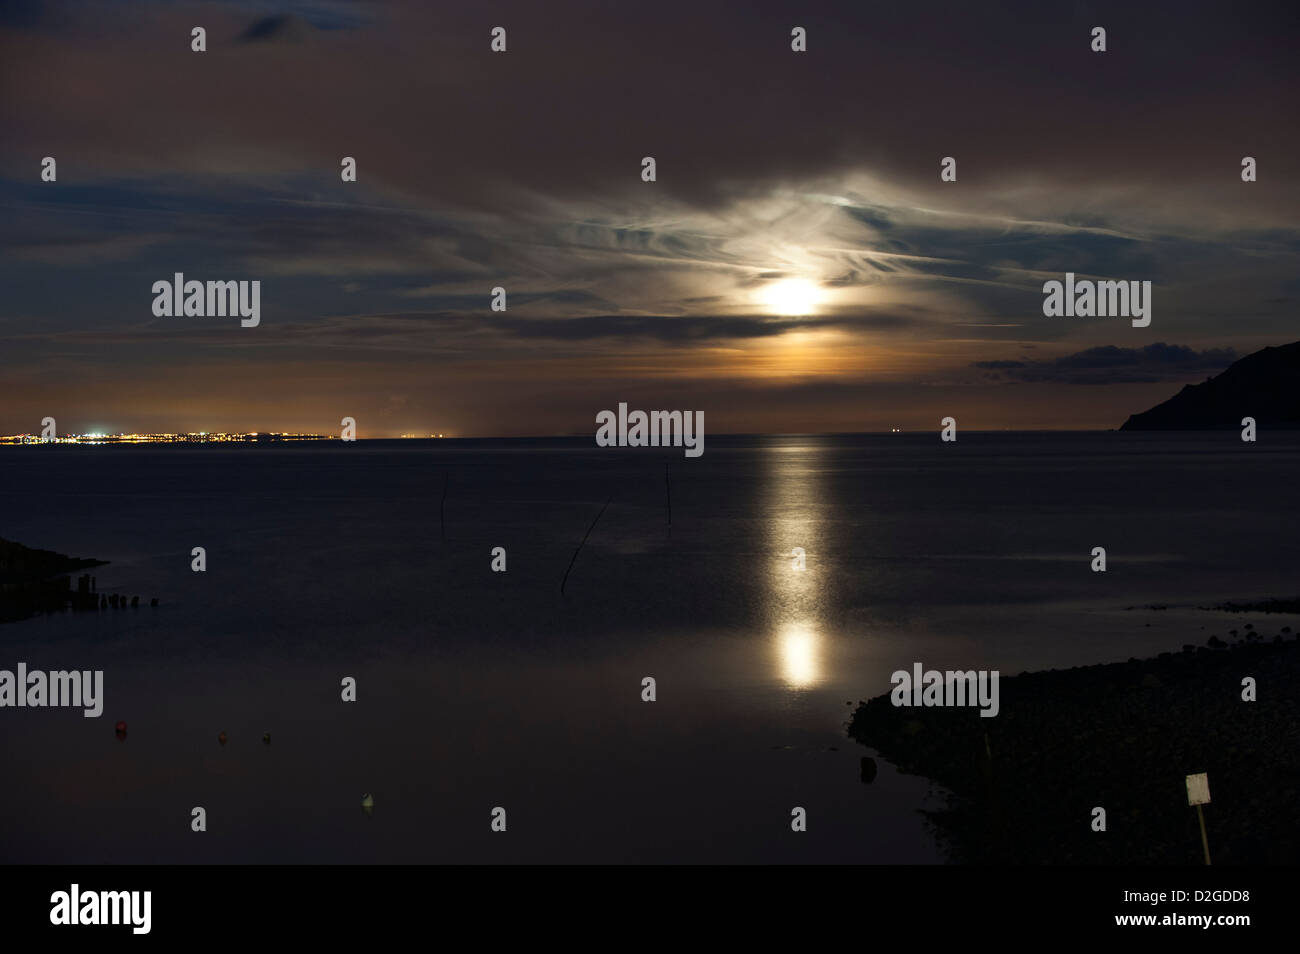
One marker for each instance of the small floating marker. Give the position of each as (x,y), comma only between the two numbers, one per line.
(120,729)
(868,770)
(367,803)
(266,738)
(221,737)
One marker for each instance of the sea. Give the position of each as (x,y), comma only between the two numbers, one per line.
(765,587)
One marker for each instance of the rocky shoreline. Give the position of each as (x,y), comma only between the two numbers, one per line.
(1121,736)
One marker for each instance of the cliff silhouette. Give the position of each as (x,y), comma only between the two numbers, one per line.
(1261,385)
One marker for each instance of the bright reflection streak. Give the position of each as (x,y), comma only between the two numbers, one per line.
(800,652)
(795,516)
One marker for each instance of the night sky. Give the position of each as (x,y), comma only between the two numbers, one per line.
(522,169)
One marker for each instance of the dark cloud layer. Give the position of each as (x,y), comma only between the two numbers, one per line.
(1109,364)
(711,90)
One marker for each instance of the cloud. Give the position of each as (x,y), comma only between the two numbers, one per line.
(569,111)
(1109,364)
(281,27)
(522,170)
(692,328)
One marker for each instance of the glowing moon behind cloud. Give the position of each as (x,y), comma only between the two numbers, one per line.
(791,296)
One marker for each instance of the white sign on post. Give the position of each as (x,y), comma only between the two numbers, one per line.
(1198,789)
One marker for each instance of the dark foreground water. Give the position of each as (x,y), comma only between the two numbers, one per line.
(479,689)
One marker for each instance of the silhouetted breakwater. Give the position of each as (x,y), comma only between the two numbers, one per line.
(39,581)
(1122,737)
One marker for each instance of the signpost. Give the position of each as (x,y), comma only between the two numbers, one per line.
(1198,794)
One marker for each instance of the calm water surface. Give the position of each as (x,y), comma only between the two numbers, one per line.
(479,689)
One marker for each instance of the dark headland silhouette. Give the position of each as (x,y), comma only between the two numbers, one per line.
(1262,385)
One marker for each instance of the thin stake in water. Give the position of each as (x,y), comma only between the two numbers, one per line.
(574,558)
(442,507)
(668,487)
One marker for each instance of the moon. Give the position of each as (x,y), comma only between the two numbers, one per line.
(791,296)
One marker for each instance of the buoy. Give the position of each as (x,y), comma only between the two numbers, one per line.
(266,738)
(367,803)
(868,770)
(221,737)
(120,729)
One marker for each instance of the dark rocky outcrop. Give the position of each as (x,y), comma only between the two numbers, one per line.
(1264,385)
(1121,736)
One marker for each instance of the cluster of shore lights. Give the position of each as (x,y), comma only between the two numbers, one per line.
(194,436)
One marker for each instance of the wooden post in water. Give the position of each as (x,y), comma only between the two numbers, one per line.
(668,487)
(993,816)
(442,507)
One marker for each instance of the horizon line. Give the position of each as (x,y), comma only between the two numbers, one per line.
(306,436)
